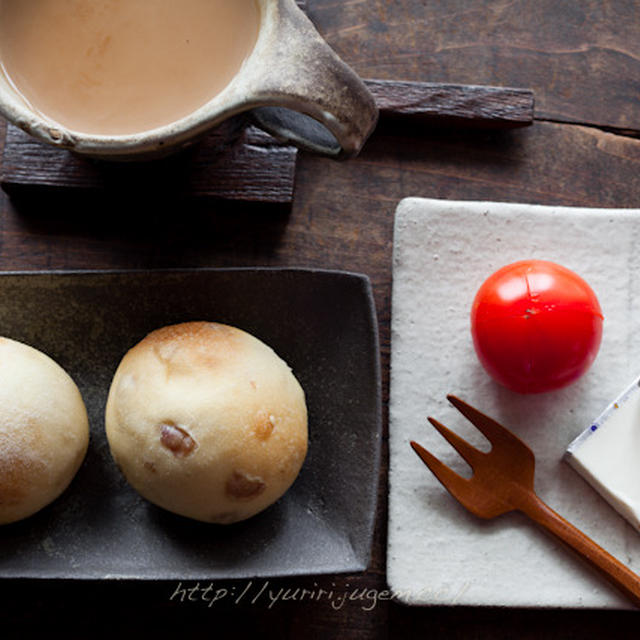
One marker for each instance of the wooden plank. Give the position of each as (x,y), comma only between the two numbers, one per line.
(255,169)
(459,104)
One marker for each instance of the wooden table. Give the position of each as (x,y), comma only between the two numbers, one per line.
(582,59)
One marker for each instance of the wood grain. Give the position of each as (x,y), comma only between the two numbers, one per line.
(581,60)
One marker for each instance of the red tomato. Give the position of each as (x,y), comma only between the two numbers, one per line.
(536,326)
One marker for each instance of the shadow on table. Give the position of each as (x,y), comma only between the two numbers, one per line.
(153,225)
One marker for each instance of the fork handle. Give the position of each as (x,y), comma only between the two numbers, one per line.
(612,569)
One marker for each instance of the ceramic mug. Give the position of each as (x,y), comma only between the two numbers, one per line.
(293,84)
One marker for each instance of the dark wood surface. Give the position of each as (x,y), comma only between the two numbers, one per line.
(582,60)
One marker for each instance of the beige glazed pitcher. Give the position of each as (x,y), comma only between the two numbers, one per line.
(291,83)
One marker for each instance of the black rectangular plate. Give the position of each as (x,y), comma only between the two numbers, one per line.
(322,323)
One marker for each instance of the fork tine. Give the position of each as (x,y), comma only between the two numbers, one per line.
(455,484)
(466,450)
(493,430)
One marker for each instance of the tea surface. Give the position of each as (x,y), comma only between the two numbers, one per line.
(115,67)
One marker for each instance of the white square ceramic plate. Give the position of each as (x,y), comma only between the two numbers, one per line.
(438,553)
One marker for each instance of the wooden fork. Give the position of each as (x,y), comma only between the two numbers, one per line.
(502,481)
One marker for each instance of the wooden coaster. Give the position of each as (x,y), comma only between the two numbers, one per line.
(255,168)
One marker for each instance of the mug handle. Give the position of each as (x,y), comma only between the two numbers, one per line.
(306,94)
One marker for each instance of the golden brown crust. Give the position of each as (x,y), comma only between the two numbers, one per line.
(194,344)
(15,474)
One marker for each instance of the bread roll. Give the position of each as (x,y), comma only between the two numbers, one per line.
(44,430)
(207,421)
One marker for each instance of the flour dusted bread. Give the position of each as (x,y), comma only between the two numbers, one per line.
(207,421)
(44,430)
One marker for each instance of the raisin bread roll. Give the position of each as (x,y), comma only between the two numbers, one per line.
(44,430)
(206,421)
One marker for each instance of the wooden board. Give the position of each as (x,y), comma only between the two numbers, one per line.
(459,105)
(256,169)
(342,217)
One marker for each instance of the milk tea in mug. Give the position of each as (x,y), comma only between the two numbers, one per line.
(117,67)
